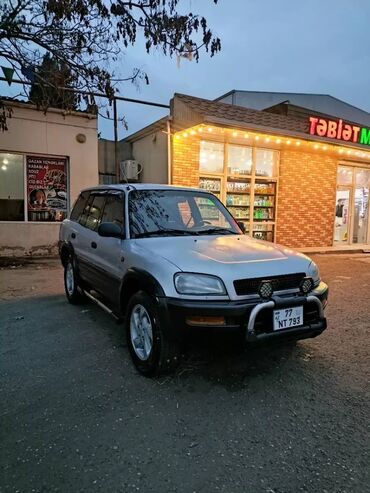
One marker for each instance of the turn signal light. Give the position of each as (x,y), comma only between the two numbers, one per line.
(202,321)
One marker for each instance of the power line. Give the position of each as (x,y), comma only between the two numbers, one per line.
(114,99)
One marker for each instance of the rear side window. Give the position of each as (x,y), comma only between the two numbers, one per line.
(94,212)
(113,210)
(79,206)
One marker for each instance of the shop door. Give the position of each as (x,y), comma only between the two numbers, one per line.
(361,206)
(342,216)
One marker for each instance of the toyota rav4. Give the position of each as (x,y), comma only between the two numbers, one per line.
(167,259)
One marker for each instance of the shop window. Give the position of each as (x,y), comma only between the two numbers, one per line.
(210,213)
(11,187)
(211,157)
(239,160)
(363,178)
(345,175)
(266,163)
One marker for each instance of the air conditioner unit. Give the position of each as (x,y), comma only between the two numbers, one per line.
(130,170)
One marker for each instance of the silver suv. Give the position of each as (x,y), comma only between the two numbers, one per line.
(167,260)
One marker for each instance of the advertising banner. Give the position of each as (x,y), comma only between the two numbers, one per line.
(46,188)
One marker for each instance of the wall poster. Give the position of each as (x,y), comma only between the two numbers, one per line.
(46,188)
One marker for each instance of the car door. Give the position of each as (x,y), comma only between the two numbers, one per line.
(75,229)
(88,239)
(111,256)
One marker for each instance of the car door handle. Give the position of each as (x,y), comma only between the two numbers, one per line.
(73,236)
(94,245)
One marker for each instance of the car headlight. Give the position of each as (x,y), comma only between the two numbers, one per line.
(199,284)
(313,271)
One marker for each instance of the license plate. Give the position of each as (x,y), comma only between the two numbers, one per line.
(288,318)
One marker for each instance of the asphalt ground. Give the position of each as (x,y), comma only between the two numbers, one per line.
(75,416)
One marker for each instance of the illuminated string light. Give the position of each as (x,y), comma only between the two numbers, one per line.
(5,161)
(278,141)
(200,129)
(192,132)
(267,139)
(316,146)
(246,136)
(257,138)
(325,148)
(235,134)
(185,134)
(210,129)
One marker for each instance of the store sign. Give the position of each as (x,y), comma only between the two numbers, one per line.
(339,130)
(46,188)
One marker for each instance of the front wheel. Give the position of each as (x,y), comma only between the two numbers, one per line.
(72,290)
(151,351)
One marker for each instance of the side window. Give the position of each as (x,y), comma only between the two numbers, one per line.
(79,206)
(114,210)
(90,217)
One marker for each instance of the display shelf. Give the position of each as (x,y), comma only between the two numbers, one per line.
(239,201)
(264,209)
(210,184)
(238,185)
(264,231)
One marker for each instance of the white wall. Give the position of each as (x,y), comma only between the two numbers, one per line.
(33,132)
(151,152)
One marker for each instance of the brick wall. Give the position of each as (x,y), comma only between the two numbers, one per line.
(306,201)
(185,162)
(307,189)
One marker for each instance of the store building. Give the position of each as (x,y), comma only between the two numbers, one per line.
(292,174)
(45,160)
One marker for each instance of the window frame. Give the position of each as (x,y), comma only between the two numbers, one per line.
(253,177)
(122,196)
(93,194)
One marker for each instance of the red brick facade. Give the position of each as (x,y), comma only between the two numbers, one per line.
(306,200)
(185,162)
(306,192)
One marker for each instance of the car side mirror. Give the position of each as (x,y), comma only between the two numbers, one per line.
(242,227)
(110,230)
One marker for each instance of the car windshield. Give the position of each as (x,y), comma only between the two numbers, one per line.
(178,213)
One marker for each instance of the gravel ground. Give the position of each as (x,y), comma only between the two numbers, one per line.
(75,416)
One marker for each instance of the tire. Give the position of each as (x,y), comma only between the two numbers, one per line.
(73,292)
(151,351)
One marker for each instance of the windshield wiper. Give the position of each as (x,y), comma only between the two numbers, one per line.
(166,232)
(218,231)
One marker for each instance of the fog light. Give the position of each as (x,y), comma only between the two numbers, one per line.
(265,290)
(198,321)
(306,285)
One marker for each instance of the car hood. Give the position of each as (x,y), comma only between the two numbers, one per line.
(236,256)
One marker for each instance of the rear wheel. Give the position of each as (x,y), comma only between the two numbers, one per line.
(151,351)
(73,292)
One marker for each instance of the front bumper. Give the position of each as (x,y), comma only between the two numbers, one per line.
(254,316)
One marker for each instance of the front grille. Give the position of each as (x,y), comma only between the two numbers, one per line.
(244,287)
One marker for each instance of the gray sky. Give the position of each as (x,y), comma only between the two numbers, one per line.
(319,46)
